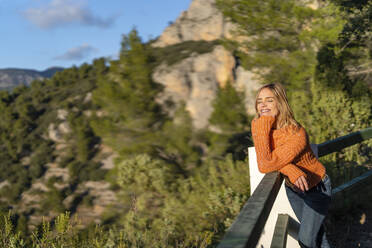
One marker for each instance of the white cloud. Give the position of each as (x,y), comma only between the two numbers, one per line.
(77,53)
(64,12)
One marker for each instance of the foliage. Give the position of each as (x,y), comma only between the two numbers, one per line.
(26,151)
(322,56)
(8,236)
(229,113)
(180,51)
(279,42)
(164,210)
(342,101)
(84,135)
(170,211)
(179,144)
(180,187)
(130,115)
(229,124)
(62,232)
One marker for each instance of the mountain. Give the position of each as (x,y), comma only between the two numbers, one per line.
(191,68)
(54,162)
(196,78)
(12,77)
(81,141)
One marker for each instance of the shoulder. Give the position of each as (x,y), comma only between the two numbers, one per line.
(293,131)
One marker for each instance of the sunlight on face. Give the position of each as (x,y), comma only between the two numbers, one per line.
(266,103)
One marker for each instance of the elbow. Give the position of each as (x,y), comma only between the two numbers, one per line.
(263,169)
(268,166)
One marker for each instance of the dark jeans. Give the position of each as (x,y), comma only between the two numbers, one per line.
(311,208)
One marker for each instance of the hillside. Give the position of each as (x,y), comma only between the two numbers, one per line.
(153,145)
(12,77)
(62,139)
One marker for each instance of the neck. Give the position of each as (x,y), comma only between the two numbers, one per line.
(275,124)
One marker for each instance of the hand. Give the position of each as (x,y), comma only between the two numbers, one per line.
(301,184)
(270,120)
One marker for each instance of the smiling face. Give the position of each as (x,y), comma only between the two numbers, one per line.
(266,103)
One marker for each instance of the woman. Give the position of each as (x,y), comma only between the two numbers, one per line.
(282,145)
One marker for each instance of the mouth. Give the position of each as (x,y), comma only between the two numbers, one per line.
(263,111)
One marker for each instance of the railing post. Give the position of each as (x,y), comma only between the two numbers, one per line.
(280,206)
(248,226)
(280,233)
(254,226)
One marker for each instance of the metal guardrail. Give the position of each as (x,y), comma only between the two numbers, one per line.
(247,228)
(349,192)
(285,225)
(345,141)
(281,230)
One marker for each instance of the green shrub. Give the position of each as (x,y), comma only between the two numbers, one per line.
(180,51)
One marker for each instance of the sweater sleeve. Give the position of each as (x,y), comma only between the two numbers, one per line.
(273,160)
(292,172)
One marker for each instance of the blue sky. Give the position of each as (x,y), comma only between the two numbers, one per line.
(37,34)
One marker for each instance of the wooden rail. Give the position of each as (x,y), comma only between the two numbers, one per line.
(246,230)
(344,141)
(349,192)
(280,232)
(247,227)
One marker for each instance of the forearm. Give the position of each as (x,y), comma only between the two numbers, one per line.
(293,172)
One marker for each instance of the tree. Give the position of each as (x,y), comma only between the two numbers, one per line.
(229,113)
(229,123)
(130,115)
(179,144)
(342,98)
(278,40)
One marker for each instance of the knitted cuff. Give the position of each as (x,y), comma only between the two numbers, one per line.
(292,172)
(264,123)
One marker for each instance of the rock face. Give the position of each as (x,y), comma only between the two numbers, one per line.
(202,21)
(196,79)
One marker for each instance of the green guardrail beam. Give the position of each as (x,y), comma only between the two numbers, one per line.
(345,141)
(247,228)
(280,232)
(343,196)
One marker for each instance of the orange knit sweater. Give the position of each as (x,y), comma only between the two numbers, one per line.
(286,150)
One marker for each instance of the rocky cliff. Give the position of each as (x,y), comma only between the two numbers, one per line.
(195,80)
(202,21)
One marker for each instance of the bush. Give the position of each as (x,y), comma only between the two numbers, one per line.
(180,51)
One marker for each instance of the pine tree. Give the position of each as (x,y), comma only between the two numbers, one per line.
(229,113)
(342,97)
(130,115)
(179,145)
(229,123)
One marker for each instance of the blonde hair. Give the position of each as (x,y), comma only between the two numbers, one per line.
(285,116)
